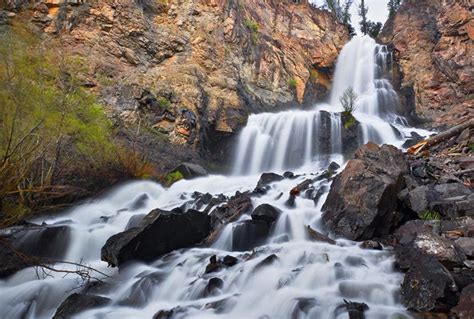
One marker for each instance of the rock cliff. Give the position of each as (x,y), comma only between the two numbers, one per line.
(433,42)
(193,70)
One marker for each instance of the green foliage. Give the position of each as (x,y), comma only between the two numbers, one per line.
(45,115)
(393,6)
(314,75)
(173,177)
(348,100)
(253,27)
(350,122)
(340,11)
(430,215)
(374,28)
(292,83)
(164,103)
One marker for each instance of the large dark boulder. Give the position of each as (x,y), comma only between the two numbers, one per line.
(159,233)
(10,260)
(237,205)
(267,179)
(428,287)
(190,170)
(362,202)
(449,200)
(249,234)
(266,213)
(465,307)
(418,239)
(77,303)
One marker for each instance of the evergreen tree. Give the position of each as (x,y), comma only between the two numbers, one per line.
(393,6)
(364,23)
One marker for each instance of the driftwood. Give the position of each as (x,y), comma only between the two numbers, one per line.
(319,237)
(443,136)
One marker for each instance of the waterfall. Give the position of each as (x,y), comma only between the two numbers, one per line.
(288,140)
(306,280)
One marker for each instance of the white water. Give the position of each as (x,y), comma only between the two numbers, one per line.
(305,269)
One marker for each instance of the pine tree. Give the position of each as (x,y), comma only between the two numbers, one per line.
(364,25)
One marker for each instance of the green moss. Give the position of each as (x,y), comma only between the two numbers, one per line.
(351,121)
(173,177)
(430,215)
(314,75)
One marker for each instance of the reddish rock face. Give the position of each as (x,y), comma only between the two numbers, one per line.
(434,47)
(219,60)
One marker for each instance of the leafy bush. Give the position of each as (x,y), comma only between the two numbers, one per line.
(348,100)
(164,103)
(253,27)
(430,215)
(173,177)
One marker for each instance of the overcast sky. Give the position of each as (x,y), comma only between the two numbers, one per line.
(378,11)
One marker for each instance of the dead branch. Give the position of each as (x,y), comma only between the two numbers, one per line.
(443,136)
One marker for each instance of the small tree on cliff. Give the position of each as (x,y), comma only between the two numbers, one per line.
(393,6)
(348,100)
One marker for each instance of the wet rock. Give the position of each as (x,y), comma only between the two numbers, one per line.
(238,205)
(266,262)
(289,174)
(362,202)
(10,261)
(49,242)
(303,307)
(141,291)
(317,236)
(134,221)
(230,261)
(428,286)
(160,232)
(465,307)
(267,179)
(213,265)
(371,244)
(168,314)
(213,285)
(190,170)
(139,202)
(355,310)
(355,261)
(266,213)
(333,167)
(77,303)
(358,290)
(249,234)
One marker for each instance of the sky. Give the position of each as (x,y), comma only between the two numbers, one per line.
(378,11)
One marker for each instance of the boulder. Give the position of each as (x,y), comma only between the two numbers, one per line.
(213,285)
(10,261)
(267,179)
(417,240)
(266,213)
(465,307)
(77,303)
(355,310)
(249,234)
(428,286)
(238,205)
(159,233)
(362,202)
(142,290)
(190,170)
(49,242)
(467,245)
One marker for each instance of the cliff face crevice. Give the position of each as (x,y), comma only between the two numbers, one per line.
(193,70)
(433,42)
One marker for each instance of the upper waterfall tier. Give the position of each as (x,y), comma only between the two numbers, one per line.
(287,140)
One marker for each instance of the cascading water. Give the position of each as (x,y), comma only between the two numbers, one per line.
(306,280)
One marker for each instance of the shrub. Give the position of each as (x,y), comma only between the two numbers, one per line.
(314,75)
(253,27)
(164,103)
(292,83)
(348,100)
(173,177)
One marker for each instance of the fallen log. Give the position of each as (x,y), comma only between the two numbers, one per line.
(441,137)
(319,237)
